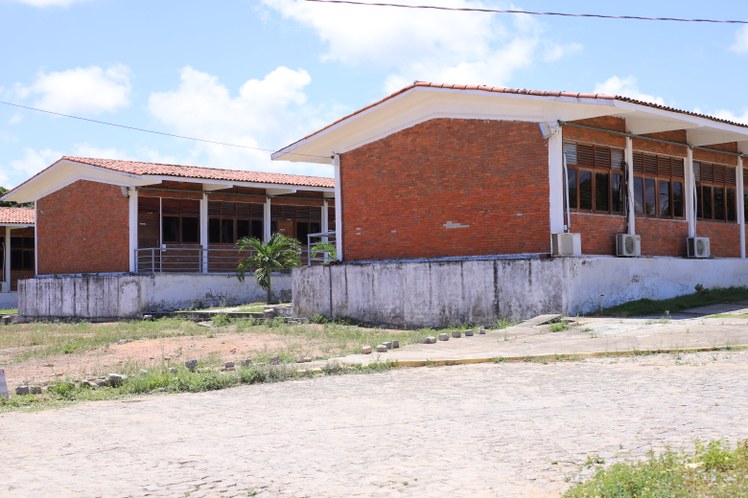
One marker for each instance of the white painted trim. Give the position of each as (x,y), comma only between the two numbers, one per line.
(267,220)
(214,184)
(6,286)
(204,231)
(338,208)
(325,225)
(556,181)
(132,203)
(36,239)
(690,193)
(740,198)
(630,200)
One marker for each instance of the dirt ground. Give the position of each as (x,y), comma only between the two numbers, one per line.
(145,353)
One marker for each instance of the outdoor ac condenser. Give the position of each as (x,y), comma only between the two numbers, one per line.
(566,244)
(698,247)
(628,245)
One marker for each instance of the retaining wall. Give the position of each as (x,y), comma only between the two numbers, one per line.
(440,293)
(130,296)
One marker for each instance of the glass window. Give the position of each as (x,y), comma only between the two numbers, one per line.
(617,193)
(602,184)
(677,199)
(585,190)
(639,195)
(650,197)
(706,199)
(572,175)
(731,206)
(664,200)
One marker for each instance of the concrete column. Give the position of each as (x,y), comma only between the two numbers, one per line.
(690,193)
(36,239)
(325,218)
(740,197)
(6,276)
(556,180)
(267,220)
(338,207)
(132,197)
(628,154)
(204,233)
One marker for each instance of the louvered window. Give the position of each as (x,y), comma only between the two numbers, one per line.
(658,186)
(595,178)
(715,192)
(231,221)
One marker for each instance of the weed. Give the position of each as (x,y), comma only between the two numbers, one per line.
(318,318)
(558,326)
(220,320)
(701,297)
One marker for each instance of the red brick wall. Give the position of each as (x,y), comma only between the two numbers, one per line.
(724,238)
(662,237)
(400,191)
(83,228)
(598,231)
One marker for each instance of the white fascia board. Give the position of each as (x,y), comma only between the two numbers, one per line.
(279,191)
(696,125)
(216,184)
(13,226)
(63,173)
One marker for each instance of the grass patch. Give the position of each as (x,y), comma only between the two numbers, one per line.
(701,297)
(180,380)
(713,469)
(11,311)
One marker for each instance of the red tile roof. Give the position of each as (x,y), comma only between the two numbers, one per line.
(16,216)
(516,91)
(202,173)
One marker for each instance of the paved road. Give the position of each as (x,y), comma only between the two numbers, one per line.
(508,429)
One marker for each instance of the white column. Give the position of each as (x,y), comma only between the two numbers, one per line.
(6,286)
(267,220)
(740,197)
(690,194)
(630,200)
(556,180)
(338,208)
(36,239)
(325,217)
(204,232)
(132,197)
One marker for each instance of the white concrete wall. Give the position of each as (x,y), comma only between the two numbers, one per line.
(130,296)
(437,294)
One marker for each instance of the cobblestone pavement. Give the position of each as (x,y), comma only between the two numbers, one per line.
(505,429)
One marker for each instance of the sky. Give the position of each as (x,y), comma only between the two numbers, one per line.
(261,74)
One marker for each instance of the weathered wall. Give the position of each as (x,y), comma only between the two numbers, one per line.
(440,293)
(447,187)
(83,228)
(129,296)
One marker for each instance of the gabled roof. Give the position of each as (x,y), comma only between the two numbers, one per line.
(69,169)
(16,216)
(422,101)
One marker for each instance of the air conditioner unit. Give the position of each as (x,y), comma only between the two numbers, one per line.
(628,245)
(566,244)
(697,247)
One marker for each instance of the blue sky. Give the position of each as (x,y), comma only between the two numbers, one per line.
(264,73)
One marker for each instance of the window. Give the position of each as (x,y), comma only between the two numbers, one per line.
(22,253)
(715,192)
(230,221)
(180,221)
(658,186)
(595,178)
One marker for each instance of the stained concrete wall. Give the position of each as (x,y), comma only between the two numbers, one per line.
(440,293)
(130,296)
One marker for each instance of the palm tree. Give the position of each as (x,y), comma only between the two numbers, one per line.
(279,253)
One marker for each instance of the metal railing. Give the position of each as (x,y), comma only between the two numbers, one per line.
(192,259)
(321,248)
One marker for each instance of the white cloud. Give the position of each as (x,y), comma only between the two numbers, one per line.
(556,52)
(90,90)
(626,87)
(418,44)
(730,115)
(51,3)
(267,112)
(740,45)
(32,162)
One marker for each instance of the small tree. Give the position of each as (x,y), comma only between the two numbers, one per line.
(279,253)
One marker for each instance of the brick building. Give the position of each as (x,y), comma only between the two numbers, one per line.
(109,216)
(16,248)
(451,171)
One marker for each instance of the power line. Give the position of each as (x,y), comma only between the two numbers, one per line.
(528,12)
(145,130)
